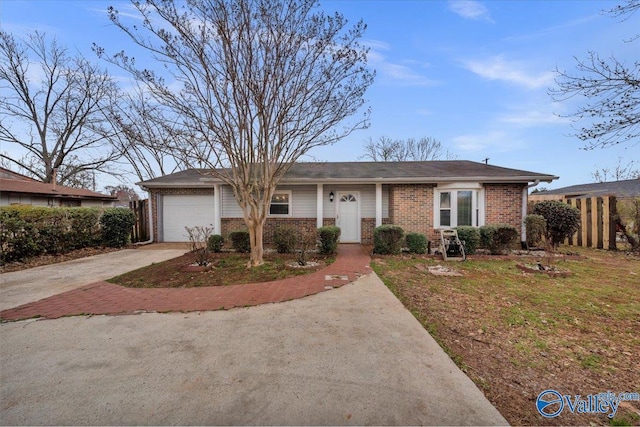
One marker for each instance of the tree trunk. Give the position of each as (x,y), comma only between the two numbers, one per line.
(256,228)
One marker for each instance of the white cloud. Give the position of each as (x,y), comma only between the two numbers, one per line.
(470,9)
(376,44)
(533,117)
(396,72)
(494,141)
(497,68)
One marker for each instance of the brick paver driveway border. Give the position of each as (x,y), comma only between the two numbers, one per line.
(106,298)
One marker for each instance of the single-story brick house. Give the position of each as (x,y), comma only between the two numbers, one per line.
(17,189)
(356,196)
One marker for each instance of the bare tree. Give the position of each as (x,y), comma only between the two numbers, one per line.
(50,107)
(261,82)
(621,171)
(146,135)
(387,150)
(384,149)
(611,90)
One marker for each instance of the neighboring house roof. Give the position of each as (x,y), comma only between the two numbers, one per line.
(11,182)
(385,172)
(626,188)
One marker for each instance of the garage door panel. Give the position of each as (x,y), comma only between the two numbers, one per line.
(180,211)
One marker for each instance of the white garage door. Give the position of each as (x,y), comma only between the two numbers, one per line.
(183,211)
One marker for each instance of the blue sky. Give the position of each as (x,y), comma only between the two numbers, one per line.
(471,74)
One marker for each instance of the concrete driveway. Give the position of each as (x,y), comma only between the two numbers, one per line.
(21,287)
(350,356)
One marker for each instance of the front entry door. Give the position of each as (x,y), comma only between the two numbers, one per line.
(348,217)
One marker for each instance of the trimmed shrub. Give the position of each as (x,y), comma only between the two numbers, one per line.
(27,231)
(328,239)
(240,241)
(387,239)
(498,238)
(215,243)
(536,227)
(417,243)
(284,239)
(562,220)
(116,225)
(470,237)
(18,238)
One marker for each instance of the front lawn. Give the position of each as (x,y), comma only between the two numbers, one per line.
(229,268)
(517,334)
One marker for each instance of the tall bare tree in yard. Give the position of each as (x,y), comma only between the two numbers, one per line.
(384,149)
(147,136)
(50,108)
(255,84)
(611,90)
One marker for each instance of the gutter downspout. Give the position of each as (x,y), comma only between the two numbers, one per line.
(523,227)
(150,222)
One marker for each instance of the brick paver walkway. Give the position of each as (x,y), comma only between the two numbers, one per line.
(106,298)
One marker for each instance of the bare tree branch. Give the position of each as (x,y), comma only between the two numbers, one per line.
(53,112)
(261,82)
(387,150)
(611,92)
(621,171)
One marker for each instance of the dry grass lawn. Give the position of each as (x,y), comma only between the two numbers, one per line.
(517,334)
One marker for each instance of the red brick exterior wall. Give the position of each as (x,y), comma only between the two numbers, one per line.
(411,207)
(154,202)
(234,224)
(503,204)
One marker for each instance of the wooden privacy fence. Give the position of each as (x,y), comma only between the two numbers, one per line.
(140,230)
(598,222)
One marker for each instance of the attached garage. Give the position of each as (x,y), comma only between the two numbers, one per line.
(180,211)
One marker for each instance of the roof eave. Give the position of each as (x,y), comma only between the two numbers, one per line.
(209,182)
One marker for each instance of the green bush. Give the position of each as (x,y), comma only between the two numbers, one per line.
(215,243)
(18,238)
(417,243)
(84,229)
(27,231)
(498,238)
(387,239)
(562,220)
(536,227)
(240,241)
(284,238)
(328,239)
(116,225)
(470,237)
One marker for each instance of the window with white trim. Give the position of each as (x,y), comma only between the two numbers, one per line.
(280,204)
(454,207)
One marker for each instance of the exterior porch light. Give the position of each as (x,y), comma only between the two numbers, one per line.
(331,197)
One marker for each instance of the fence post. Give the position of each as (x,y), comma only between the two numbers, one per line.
(612,213)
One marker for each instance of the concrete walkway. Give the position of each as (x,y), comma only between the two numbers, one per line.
(21,287)
(351,356)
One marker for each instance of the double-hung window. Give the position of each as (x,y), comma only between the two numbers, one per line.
(280,204)
(458,204)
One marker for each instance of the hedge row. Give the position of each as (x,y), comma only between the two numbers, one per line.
(389,239)
(27,231)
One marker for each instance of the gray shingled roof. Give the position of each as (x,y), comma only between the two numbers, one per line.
(626,188)
(405,172)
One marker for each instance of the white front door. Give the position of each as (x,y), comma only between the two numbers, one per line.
(348,217)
